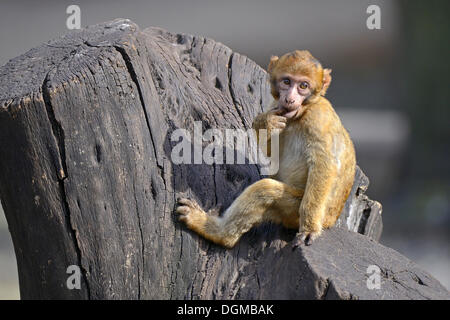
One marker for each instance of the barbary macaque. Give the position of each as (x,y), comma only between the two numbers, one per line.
(316,161)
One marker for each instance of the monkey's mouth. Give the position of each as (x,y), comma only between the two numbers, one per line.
(291,113)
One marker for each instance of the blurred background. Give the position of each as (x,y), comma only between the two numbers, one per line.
(389,87)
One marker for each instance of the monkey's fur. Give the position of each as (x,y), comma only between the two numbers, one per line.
(316,161)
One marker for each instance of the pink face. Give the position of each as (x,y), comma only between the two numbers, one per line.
(293,91)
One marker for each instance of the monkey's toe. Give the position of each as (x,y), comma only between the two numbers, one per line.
(189,203)
(191,214)
(186,215)
(183,210)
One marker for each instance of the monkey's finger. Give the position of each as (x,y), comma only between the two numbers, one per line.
(299,240)
(280,119)
(308,240)
(302,236)
(280,125)
(311,237)
(277,111)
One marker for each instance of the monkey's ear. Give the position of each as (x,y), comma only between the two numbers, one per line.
(272,63)
(326,81)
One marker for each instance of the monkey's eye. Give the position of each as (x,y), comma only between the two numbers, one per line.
(286,81)
(304,85)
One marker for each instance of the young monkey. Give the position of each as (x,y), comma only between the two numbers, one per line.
(316,161)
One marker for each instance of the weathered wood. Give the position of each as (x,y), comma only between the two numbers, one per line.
(86,178)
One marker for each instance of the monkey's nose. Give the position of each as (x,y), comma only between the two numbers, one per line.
(289,101)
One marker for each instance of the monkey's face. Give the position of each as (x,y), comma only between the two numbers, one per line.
(297,79)
(293,91)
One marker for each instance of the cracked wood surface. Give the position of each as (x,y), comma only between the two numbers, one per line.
(86,179)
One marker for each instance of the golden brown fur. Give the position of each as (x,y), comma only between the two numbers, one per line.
(316,166)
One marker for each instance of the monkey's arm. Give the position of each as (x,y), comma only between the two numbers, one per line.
(322,172)
(269,121)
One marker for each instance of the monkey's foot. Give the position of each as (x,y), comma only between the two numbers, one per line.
(191,214)
(306,237)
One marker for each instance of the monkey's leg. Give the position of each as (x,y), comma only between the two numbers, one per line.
(199,221)
(265,200)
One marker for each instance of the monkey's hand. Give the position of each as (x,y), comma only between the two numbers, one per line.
(270,120)
(305,237)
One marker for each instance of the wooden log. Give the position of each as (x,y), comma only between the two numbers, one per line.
(86,179)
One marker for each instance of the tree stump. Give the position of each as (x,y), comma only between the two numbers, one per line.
(86,179)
